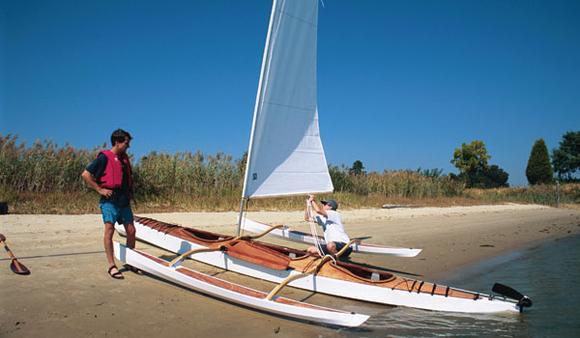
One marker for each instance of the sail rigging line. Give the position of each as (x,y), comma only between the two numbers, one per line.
(313,230)
(314,233)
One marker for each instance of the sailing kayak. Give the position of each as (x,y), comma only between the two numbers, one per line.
(276,264)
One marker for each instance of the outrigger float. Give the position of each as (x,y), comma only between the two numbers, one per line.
(297,268)
(175,272)
(358,245)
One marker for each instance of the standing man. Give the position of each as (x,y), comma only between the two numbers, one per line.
(110,175)
(331,222)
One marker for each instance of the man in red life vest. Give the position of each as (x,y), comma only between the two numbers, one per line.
(110,175)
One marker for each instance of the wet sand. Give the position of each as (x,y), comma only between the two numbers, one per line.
(69,293)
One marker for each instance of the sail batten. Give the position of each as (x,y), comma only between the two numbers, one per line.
(285,156)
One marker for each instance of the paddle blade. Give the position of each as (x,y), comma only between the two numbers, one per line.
(506,291)
(19,268)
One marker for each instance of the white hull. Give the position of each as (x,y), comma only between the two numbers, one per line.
(234,292)
(332,286)
(301,237)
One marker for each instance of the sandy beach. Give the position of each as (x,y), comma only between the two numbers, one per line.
(69,293)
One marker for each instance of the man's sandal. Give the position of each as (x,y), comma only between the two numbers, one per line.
(116,275)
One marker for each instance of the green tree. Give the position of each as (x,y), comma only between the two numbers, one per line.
(470,157)
(471,160)
(539,169)
(566,158)
(357,168)
(495,177)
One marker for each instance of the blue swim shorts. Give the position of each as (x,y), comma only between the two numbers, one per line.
(113,213)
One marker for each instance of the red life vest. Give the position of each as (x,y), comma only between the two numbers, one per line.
(113,176)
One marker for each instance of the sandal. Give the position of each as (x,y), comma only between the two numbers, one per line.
(116,275)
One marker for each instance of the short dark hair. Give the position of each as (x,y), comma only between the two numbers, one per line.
(119,136)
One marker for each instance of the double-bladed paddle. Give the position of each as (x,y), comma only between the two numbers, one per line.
(506,291)
(15,265)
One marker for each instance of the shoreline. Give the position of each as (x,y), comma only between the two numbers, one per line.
(506,257)
(69,293)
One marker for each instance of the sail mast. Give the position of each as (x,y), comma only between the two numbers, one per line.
(254,119)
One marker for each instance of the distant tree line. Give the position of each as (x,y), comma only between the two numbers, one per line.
(472,161)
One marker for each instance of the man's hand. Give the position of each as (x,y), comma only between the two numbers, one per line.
(310,198)
(105,192)
(93,184)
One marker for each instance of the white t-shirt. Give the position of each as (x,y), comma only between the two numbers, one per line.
(333,228)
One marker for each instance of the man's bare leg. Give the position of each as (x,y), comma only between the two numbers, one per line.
(331,248)
(108,243)
(130,230)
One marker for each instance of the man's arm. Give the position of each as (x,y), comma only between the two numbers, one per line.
(316,207)
(87,177)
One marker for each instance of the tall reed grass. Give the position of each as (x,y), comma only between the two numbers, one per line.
(547,194)
(45,178)
(43,167)
(395,184)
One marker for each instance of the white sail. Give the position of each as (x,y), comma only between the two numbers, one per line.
(285,156)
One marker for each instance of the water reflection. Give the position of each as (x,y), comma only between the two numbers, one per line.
(405,322)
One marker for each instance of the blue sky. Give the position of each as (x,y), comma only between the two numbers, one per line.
(401,83)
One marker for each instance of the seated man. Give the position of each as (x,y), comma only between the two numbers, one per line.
(331,222)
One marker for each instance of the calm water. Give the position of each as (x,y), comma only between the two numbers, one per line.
(549,274)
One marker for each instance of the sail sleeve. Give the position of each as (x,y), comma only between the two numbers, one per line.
(286,156)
